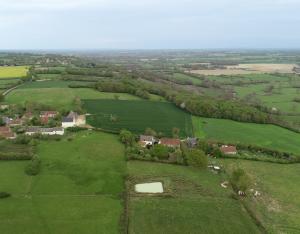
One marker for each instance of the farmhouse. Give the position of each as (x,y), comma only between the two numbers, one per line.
(45,131)
(7,133)
(146,140)
(170,142)
(228,149)
(72,120)
(45,115)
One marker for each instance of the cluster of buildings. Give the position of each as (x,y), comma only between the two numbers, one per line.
(73,119)
(149,141)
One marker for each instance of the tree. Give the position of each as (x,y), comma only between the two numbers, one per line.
(127,138)
(175,132)
(197,158)
(217,153)
(2,123)
(160,151)
(2,97)
(116,97)
(150,132)
(240,180)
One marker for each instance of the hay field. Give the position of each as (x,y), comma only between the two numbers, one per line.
(243,69)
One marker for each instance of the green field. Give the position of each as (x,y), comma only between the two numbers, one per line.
(264,135)
(59,98)
(13,72)
(77,191)
(6,83)
(136,116)
(197,203)
(278,207)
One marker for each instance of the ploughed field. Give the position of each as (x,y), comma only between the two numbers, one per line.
(136,116)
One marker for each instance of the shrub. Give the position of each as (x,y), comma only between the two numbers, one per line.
(197,158)
(127,138)
(33,168)
(22,139)
(160,151)
(240,180)
(4,195)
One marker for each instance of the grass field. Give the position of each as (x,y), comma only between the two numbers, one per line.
(197,204)
(13,72)
(59,98)
(278,207)
(248,133)
(77,191)
(136,116)
(6,83)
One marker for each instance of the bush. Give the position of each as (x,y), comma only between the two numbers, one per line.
(22,139)
(127,138)
(240,180)
(197,158)
(160,151)
(33,168)
(4,195)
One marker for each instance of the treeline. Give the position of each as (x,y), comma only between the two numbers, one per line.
(194,104)
(89,72)
(123,86)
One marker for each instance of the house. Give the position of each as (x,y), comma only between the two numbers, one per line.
(45,131)
(7,133)
(72,120)
(228,149)
(146,140)
(191,142)
(45,115)
(170,142)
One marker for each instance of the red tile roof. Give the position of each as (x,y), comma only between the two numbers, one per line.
(170,141)
(226,149)
(4,129)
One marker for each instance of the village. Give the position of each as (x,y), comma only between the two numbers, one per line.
(49,123)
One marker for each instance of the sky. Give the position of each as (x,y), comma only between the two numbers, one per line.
(149,24)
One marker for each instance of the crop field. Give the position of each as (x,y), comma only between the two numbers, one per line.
(196,202)
(59,98)
(13,72)
(136,116)
(264,135)
(278,207)
(76,191)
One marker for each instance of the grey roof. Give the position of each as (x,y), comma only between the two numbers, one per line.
(67,120)
(40,130)
(191,141)
(146,138)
